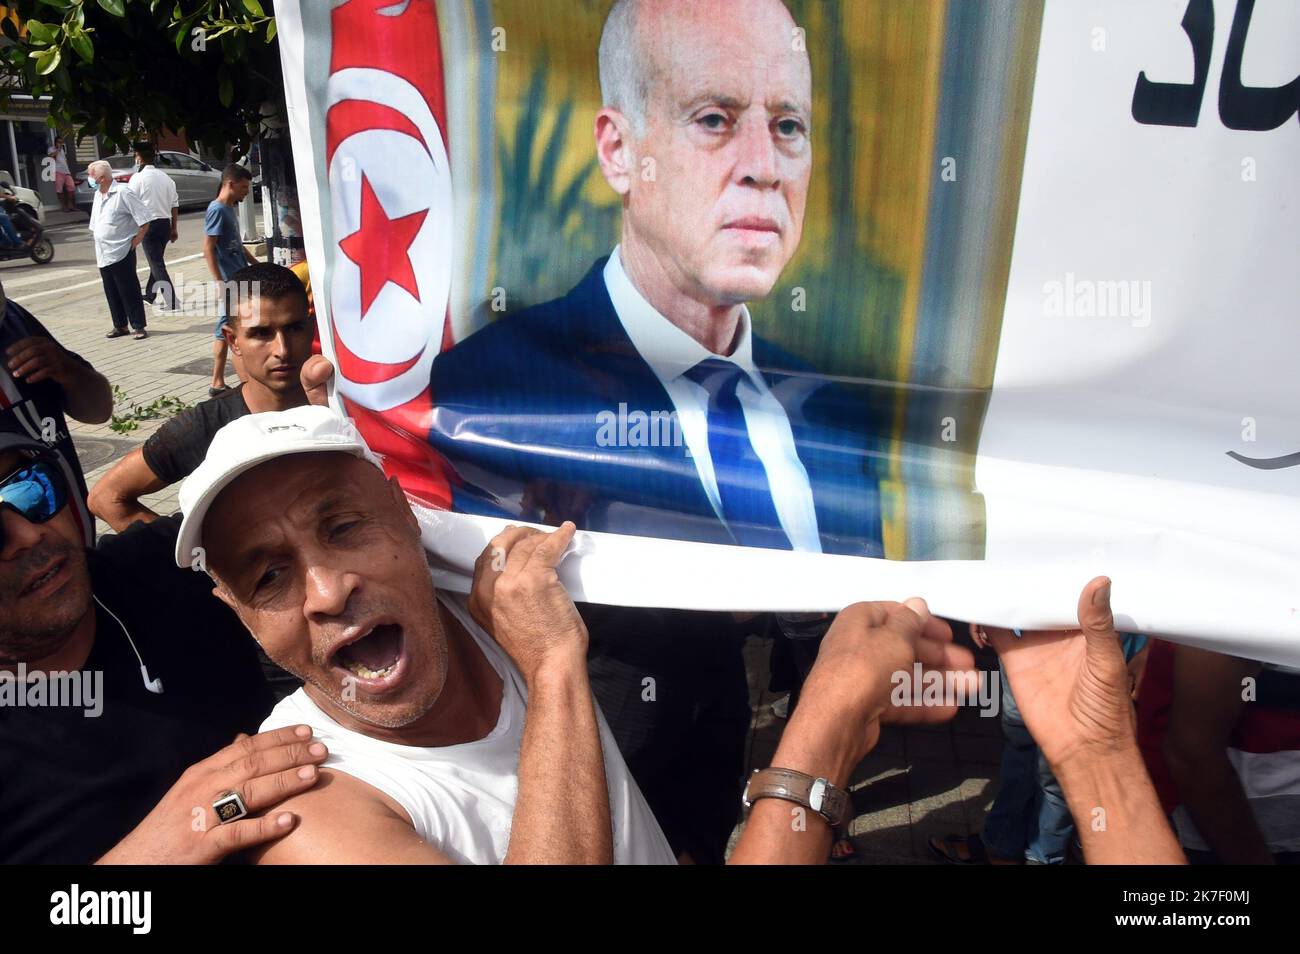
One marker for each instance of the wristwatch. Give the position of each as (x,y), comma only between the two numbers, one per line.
(814,793)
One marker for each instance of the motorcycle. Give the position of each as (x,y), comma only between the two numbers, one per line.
(36,245)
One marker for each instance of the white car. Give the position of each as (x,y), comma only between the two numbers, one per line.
(197,183)
(34,207)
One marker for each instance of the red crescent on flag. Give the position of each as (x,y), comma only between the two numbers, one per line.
(355,115)
(361,371)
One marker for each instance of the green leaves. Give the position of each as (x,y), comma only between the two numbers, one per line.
(47,61)
(42,33)
(119,68)
(82,45)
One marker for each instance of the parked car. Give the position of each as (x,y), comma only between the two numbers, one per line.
(197,183)
(29,200)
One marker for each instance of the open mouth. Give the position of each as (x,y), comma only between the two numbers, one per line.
(374,658)
(49,574)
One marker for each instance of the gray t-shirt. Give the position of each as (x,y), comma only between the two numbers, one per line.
(220,221)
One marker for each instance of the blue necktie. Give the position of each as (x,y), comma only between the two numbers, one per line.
(746,495)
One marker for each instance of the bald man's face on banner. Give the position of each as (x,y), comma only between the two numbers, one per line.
(717,180)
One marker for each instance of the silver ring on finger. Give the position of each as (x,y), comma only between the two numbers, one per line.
(229,807)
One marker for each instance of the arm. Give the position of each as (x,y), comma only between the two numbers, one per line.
(845,699)
(562,809)
(1207,702)
(1072,688)
(175,232)
(115,498)
(210,256)
(87,396)
(344,821)
(211,234)
(139,213)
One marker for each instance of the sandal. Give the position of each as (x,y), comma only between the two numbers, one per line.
(842,847)
(140,335)
(216,392)
(117,333)
(949,848)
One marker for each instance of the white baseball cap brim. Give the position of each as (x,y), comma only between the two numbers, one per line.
(251,440)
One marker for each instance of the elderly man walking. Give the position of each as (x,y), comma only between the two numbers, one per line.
(118,222)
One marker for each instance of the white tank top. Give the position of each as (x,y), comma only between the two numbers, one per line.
(461,798)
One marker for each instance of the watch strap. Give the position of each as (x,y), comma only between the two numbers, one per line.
(811,792)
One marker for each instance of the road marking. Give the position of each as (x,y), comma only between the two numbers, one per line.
(96,281)
(46,276)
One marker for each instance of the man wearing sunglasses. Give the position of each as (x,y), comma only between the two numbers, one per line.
(111,707)
(40,381)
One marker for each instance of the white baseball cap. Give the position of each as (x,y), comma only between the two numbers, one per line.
(254,439)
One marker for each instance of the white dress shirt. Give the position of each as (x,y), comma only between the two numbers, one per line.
(156,191)
(114,220)
(671,352)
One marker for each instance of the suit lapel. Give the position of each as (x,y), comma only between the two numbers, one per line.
(620,375)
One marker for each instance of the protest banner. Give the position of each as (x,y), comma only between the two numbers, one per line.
(1018,278)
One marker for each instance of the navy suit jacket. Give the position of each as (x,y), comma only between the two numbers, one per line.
(528,412)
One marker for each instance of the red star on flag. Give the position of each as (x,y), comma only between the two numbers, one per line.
(381,248)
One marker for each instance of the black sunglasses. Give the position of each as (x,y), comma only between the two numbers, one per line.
(36,491)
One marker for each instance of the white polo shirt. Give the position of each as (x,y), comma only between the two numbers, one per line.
(156,190)
(114,220)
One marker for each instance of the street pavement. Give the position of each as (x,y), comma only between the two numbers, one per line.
(918,782)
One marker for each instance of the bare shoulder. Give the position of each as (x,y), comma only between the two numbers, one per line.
(342,820)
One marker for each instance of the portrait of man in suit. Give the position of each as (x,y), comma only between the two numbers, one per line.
(642,402)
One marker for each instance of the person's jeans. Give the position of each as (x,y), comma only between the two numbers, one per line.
(155,246)
(8,231)
(1029,817)
(122,289)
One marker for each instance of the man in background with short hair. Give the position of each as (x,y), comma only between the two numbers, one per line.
(224,251)
(271,334)
(157,192)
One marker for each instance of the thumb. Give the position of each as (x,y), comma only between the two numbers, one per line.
(1095,617)
(315,377)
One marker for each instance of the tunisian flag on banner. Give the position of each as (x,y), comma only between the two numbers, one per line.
(384,197)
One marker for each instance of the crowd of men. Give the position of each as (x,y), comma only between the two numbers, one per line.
(414,724)
(274,676)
